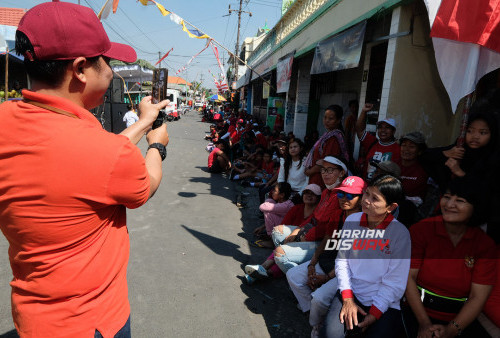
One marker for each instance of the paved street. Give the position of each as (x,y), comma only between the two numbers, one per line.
(188,247)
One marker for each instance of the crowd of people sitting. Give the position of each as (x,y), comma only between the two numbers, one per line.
(432,270)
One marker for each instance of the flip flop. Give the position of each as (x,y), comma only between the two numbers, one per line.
(260,244)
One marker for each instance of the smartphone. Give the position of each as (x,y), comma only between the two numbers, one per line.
(158,92)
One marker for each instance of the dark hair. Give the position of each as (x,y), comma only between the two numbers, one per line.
(489,118)
(129,106)
(339,112)
(472,190)
(390,187)
(285,188)
(223,143)
(49,72)
(288,157)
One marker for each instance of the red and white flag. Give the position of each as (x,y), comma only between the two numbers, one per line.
(466,38)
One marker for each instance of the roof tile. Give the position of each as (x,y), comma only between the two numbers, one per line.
(11,16)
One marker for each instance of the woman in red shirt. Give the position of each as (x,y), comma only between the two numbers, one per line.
(331,143)
(452,267)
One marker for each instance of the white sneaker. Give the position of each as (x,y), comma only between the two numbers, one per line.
(256,271)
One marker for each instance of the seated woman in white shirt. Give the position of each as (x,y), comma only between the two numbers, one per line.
(292,168)
(372,273)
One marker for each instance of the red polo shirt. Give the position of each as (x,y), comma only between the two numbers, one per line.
(448,270)
(66,183)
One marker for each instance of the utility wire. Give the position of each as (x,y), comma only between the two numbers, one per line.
(138,28)
(121,36)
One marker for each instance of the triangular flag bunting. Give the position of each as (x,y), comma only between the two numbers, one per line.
(115,5)
(194,33)
(175,18)
(164,56)
(162,9)
(105,10)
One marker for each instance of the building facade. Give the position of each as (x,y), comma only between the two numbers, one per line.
(394,67)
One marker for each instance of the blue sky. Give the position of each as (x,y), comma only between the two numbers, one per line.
(149,32)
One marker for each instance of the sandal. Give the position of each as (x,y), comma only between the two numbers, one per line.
(262,244)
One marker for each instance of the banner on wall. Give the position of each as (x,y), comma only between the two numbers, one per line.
(341,51)
(284,73)
(275,106)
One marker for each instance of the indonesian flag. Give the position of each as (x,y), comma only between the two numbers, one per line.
(466,38)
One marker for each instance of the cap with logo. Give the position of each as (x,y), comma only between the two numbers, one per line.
(352,185)
(65,31)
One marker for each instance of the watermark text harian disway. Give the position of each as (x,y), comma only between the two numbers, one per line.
(370,239)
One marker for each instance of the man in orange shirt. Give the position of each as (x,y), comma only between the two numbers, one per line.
(66,183)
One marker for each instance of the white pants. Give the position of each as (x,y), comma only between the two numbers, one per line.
(317,302)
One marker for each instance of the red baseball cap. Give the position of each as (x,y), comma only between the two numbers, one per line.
(65,31)
(352,185)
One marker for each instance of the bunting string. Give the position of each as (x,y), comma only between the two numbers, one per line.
(192,58)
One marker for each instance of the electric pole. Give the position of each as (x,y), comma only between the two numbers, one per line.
(159,58)
(236,61)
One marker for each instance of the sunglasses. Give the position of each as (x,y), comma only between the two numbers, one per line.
(342,194)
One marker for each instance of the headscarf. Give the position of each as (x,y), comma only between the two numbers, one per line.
(321,143)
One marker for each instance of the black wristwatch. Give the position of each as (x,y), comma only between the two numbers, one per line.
(161,148)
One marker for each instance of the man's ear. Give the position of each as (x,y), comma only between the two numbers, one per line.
(78,67)
(392,207)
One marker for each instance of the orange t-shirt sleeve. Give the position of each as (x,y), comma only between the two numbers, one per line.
(129,179)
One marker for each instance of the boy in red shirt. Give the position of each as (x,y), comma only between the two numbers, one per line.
(217,160)
(385,148)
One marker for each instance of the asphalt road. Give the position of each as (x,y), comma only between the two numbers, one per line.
(188,246)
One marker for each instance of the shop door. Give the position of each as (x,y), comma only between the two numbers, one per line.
(376,75)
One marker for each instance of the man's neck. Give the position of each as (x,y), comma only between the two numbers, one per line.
(59,92)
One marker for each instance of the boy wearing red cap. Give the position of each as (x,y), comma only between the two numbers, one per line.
(62,208)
